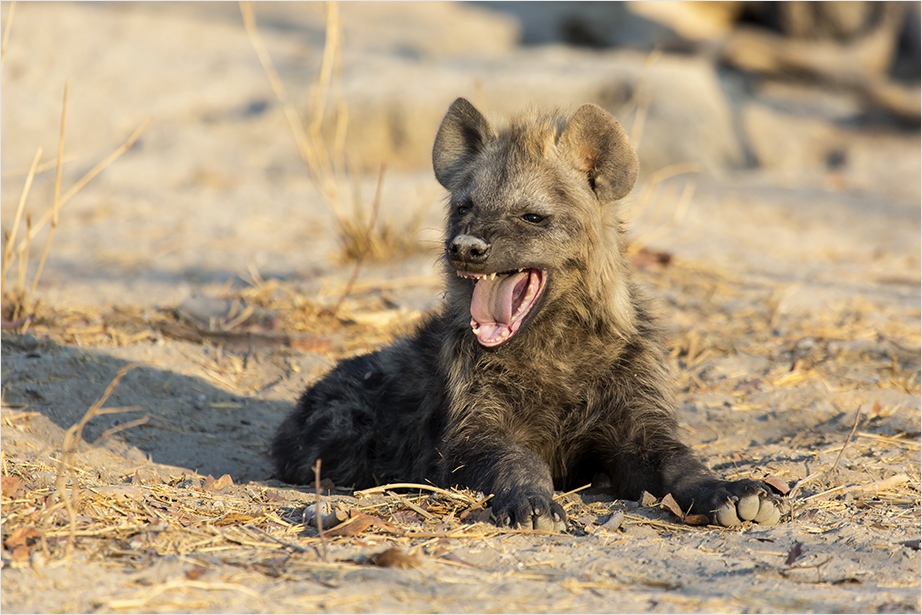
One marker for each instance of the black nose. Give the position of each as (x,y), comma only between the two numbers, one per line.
(469,249)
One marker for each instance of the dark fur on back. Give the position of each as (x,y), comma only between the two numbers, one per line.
(578,388)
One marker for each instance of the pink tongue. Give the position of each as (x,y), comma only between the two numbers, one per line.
(491,307)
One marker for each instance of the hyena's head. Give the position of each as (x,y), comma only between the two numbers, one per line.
(531,228)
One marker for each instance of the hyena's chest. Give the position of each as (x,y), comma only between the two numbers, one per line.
(549,415)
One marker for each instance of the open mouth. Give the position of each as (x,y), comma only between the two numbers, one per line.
(502,301)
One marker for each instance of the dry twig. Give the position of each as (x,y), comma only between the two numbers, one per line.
(72,439)
(319,507)
(847,440)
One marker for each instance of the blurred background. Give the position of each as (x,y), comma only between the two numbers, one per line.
(271,124)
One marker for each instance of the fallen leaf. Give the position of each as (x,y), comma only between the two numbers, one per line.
(234,519)
(21,537)
(586,520)
(275,566)
(119,491)
(12,485)
(395,557)
(359,522)
(21,554)
(776,483)
(794,554)
(876,409)
(314,344)
(669,503)
(196,572)
(697,520)
(444,554)
(647,499)
(645,257)
(405,517)
(211,484)
(274,496)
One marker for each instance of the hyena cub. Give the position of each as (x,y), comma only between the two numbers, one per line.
(544,369)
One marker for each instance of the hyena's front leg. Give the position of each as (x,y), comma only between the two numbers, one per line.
(519,479)
(726,503)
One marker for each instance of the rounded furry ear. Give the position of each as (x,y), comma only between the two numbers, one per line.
(463,133)
(598,146)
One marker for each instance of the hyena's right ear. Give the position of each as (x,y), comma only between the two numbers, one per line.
(463,133)
(596,144)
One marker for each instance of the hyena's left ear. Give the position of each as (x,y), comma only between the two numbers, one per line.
(463,133)
(598,146)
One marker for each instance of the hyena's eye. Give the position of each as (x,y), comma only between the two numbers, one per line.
(533,218)
(463,208)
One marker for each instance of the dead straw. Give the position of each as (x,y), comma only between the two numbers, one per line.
(319,507)
(83,181)
(375,204)
(7,28)
(326,162)
(877,485)
(311,147)
(56,206)
(72,439)
(11,239)
(848,439)
(391,486)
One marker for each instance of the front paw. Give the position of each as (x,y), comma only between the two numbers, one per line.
(732,503)
(529,511)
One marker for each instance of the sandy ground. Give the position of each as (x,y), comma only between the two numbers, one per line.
(793,301)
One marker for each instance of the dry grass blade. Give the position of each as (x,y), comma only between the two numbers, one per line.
(8,250)
(389,487)
(326,164)
(90,175)
(311,147)
(642,99)
(7,29)
(425,514)
(176,585)
(847,440)
(42,167)
(318,95)
(119,428)
(56,206)
(23,259)
(319,506)
(275,82)
(375,205)
(72,439)
(571,492)
(878,485)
